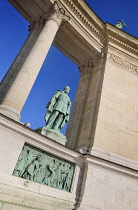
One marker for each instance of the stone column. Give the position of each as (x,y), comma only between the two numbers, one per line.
(82,124)
(7,81)
(17,94)
(76,116)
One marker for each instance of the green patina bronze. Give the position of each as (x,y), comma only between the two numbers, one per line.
(58,110)
(120,24)
(44,168)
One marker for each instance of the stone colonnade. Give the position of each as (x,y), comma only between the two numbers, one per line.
(25,68)
(104,115)
(22,74)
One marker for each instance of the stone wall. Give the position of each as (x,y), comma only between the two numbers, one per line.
(117,124)
(108,186)
(96,183)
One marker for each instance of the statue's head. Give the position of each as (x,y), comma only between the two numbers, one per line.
(66,89)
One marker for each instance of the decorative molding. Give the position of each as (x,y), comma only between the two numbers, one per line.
(124,45)
(83,19)
(114,158)
(123,63)
(111,166)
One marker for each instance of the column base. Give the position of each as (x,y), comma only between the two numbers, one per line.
(10,112)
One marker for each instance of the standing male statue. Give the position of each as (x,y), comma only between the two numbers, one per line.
(58,109)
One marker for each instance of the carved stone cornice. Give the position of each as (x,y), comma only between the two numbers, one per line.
(122,39)
(80,15)
(122,44)
(117,61)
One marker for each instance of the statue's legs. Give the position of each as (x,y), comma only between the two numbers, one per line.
(58,122)
(51,119)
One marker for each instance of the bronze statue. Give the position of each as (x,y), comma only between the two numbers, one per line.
(120,24)
(58,110)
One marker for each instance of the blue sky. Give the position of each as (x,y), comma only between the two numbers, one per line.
(57,70)
(112,10)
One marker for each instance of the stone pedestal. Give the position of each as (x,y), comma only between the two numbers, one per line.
(52,134)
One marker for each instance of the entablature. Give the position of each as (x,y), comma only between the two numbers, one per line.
(84,36)
(119,39)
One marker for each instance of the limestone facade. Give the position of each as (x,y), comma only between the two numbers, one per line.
(119,133)
(102,135)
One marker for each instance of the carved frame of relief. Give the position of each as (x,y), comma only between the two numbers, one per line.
(39,166)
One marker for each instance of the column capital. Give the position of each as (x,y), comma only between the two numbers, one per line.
(55,13)
(86,68)
(58,14)
(90,64)
(38,24)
